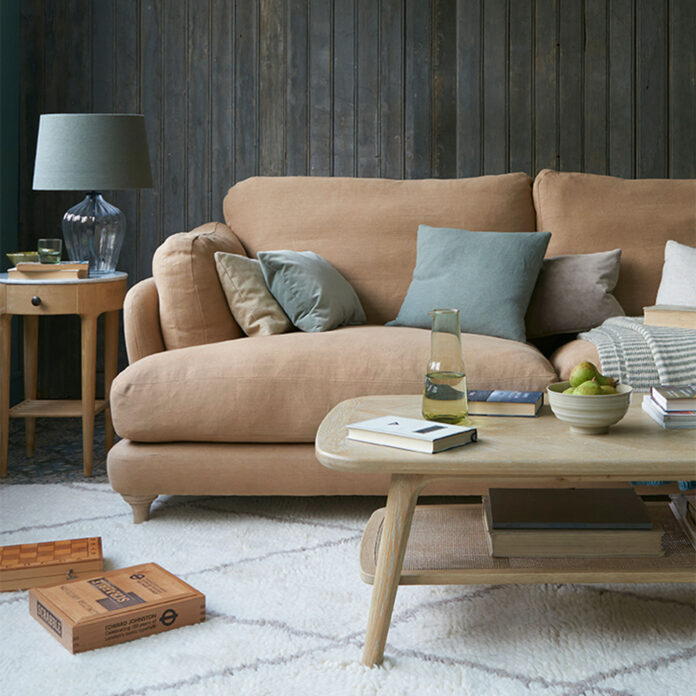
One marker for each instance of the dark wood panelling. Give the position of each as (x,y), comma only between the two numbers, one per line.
(621,122)
(651,89)
(395,88)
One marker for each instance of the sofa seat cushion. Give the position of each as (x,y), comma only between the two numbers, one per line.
(278,388)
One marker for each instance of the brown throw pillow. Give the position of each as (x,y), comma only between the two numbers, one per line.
(249,300)
(573,294)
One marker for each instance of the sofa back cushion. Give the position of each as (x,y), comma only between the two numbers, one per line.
(193,309)
(367,228)
(586,213)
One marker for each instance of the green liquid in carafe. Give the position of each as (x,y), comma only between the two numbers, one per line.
(444,397)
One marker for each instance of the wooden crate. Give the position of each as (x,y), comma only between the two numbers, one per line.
(49,563)
(116,607)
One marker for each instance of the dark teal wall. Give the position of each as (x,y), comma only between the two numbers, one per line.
(9,146)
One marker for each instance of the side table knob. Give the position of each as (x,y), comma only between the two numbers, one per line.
(36,300)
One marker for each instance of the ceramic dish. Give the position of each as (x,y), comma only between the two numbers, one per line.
(19,256)
(589,415)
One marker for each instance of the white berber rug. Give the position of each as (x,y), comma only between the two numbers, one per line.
(287,612)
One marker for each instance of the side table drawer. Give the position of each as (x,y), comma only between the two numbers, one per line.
(47,299)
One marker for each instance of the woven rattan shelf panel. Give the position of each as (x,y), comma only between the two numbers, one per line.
(447,545)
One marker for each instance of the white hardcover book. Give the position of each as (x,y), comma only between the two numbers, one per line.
(411,434)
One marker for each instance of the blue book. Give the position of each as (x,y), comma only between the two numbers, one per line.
(499,402)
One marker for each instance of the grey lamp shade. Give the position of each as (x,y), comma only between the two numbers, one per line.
(91,152)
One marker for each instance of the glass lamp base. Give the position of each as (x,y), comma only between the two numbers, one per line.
(94,231)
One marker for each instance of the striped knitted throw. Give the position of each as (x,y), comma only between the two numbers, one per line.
(642,356)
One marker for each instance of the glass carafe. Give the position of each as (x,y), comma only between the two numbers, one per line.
(444,396)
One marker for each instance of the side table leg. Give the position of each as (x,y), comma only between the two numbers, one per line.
(401,503)
(31,355)
(5,329)
(110,367)
(89,368)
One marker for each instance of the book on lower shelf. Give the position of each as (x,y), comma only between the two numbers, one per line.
(411,434)
(668,419)
(569,523)
(677,316)
(499,402)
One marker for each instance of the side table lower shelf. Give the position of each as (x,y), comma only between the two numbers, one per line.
(53,408)
(447,546)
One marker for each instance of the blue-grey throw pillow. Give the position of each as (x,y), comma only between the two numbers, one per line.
(310,290)
(488,276)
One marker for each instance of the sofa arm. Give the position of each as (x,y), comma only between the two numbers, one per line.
(192,306)
(141,322)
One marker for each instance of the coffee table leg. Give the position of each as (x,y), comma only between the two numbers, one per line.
(401,502)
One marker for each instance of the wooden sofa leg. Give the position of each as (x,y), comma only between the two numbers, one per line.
(140,505)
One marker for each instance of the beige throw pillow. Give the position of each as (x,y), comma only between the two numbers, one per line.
(249,300)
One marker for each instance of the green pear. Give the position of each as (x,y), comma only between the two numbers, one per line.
(606,381)
(569,390)
(607,389)
(589,388)
(584,371)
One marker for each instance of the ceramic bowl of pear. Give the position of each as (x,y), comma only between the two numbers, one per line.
(589,415)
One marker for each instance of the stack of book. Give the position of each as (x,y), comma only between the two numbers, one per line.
(672,406)
(65,270)
(569,523)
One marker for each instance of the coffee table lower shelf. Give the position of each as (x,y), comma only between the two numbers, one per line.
(447,546)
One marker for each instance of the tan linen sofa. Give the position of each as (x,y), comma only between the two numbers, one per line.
(204,410)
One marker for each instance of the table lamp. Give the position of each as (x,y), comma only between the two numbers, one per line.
(92,152)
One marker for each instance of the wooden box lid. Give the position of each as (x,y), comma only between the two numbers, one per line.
(48,562)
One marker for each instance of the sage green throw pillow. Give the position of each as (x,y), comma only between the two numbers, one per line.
(488,276)
(310,290)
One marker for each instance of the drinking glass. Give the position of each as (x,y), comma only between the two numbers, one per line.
(50,250)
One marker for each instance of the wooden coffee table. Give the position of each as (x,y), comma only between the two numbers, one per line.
(511,451)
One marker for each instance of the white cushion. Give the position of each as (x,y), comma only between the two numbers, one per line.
(678,284)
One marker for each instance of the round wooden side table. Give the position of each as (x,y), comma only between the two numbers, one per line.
(88,298)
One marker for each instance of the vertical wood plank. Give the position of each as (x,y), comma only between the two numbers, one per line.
(126,93)
(222,104)
(152,90)
(417,96)
(444,88)
(545,86)
(174,125)
(246,89)
(197,114)
(271,88)
(102,67)
(469,89)
(367,107)
(570,118)
(682,90)
(296,107)
(31,105)
(621,80)
(391,77)
(343,69)
(495,64)
(651,89)
(520,106)
(596,80)
(320,94)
